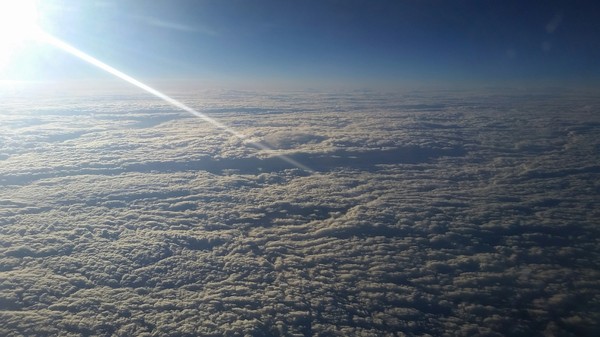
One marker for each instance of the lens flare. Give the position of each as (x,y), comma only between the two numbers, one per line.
(19,22)
(119,74)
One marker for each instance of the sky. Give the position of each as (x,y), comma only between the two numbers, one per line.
(365,43)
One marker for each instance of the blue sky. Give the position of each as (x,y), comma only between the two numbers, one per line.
(370,43)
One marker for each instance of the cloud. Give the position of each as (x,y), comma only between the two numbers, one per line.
(468,214)
(177,26)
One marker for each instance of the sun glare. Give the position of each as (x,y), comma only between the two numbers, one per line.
(18,23)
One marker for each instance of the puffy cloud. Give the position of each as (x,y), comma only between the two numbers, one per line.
(457,214)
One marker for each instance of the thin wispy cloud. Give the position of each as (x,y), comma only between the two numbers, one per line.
(177,26)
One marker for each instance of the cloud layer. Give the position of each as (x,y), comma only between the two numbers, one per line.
(429,214)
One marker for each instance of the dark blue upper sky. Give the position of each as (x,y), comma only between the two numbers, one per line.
(330,41)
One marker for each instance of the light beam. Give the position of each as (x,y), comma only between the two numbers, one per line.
(119,74)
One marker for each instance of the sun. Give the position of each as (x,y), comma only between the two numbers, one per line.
(18,24)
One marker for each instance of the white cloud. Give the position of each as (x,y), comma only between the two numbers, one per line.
(467,210)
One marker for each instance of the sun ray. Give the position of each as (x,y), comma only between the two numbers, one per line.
(18,23)
(121,75)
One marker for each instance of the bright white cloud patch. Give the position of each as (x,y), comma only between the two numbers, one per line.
(457,215)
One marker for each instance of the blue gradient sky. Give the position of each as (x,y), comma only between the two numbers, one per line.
(377,43)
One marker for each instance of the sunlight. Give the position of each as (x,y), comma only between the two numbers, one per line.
(18,23)
(58,43)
